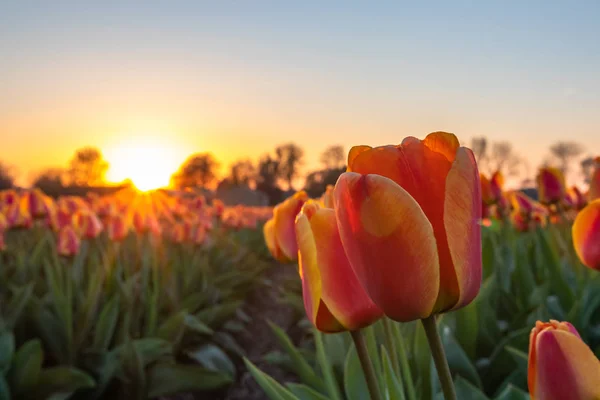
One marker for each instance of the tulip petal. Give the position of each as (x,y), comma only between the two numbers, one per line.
(586,235)
(566,367)
(390,244)
(355,151)
(285,216)
(341,290)
(462,213)
(444,143)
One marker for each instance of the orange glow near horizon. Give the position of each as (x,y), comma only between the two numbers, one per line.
(148,163)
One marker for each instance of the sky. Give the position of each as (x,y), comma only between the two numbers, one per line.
(237,78)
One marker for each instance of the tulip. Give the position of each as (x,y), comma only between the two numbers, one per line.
(37,203)
(271,241)
(551,185)
(328,197)
(68,242)
(586,235)
(333,297)
(575,199)
(218,207)
(284,232)
(561,365)
(408,219)
(18,214)
(198,235)
(486,190)
(87,224)
(58,218)
(117,228)
(497,186)
(145,221)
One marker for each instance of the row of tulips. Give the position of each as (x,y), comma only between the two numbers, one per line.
(128,296)
(399,238)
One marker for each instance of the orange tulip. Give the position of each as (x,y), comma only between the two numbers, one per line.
(486,190)
(408,218)
(145,221)
(497,185)
(333,297)
(561,365)
(283,234)
(586,235)
(551,185)
(58,218)
(575,199)
(68,242)
(18,214)
(38,203)
(271,241)
(328,197)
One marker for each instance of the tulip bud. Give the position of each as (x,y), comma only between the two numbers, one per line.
(413,211)
(561,365)
(87,224)
(117,228)
(68,242)
(551,185)
(586,235)
(333,297)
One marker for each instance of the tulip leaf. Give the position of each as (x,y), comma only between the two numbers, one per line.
(422,355)
(512,393)
(393,387)
(27,366)
(519,356)
(303,392)
(7,349)
(107,323)
(60,382)
(301,367)
(273,389)
(4,389)
(168,379)
(457,358)
(355,384)
(212,358)
(467,327)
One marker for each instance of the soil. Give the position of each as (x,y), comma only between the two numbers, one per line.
(263,305)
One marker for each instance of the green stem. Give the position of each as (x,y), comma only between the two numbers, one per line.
(404,366)
(389,343)
(439,357)
(365,362)
(330,381)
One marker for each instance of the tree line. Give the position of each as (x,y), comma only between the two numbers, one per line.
(278,172)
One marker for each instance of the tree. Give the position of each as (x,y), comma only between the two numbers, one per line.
(242,172)
(565,153)
(479,147)
(587,168)
(497,156)
(290,158)
(7,178)
(268,173)
(50,181)
(317,181)
(87,167)
(199,170)
(333,157)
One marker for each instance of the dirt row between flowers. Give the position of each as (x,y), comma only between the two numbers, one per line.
(262,304)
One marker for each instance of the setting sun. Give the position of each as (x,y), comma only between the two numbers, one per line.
(148,164)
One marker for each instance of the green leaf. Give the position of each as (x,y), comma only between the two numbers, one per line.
(304,392)
(4,389)
(195,325)
(467,327)
(168,379)
(17,304)
(212,358)
(512,393)
(355,384)
(107,323)
(519,356)
(7,349)
(464,390)
(27,366)
(301,367)
(61,382)
(393,387)
(422,356)
(273,389)
(217,315)
(457,358)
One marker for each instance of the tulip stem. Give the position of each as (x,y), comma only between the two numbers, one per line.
(389,343)
(366,364)
(439,357)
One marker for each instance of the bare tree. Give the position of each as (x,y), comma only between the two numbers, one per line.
(242,172)
(7,176)
(290,158)
(565,153)
(199,170)
(333,157)
(479,146)
(497,156)
(87,167)
(587,168)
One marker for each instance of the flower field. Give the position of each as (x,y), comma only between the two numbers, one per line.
(415,277)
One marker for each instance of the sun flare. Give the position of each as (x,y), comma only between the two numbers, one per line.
(148,164)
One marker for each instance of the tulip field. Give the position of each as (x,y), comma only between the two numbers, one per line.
(414,277)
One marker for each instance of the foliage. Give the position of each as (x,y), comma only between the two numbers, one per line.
(87,167)
(199,170)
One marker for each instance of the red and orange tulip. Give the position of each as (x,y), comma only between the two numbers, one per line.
(68,242)
(333,297)
(586,235)
(413,211)
(87,224)
(561,365)
(551,185)
(117,228)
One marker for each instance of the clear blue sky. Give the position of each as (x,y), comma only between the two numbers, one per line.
(238,78)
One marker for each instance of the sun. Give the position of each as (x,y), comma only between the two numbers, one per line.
(148,164)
